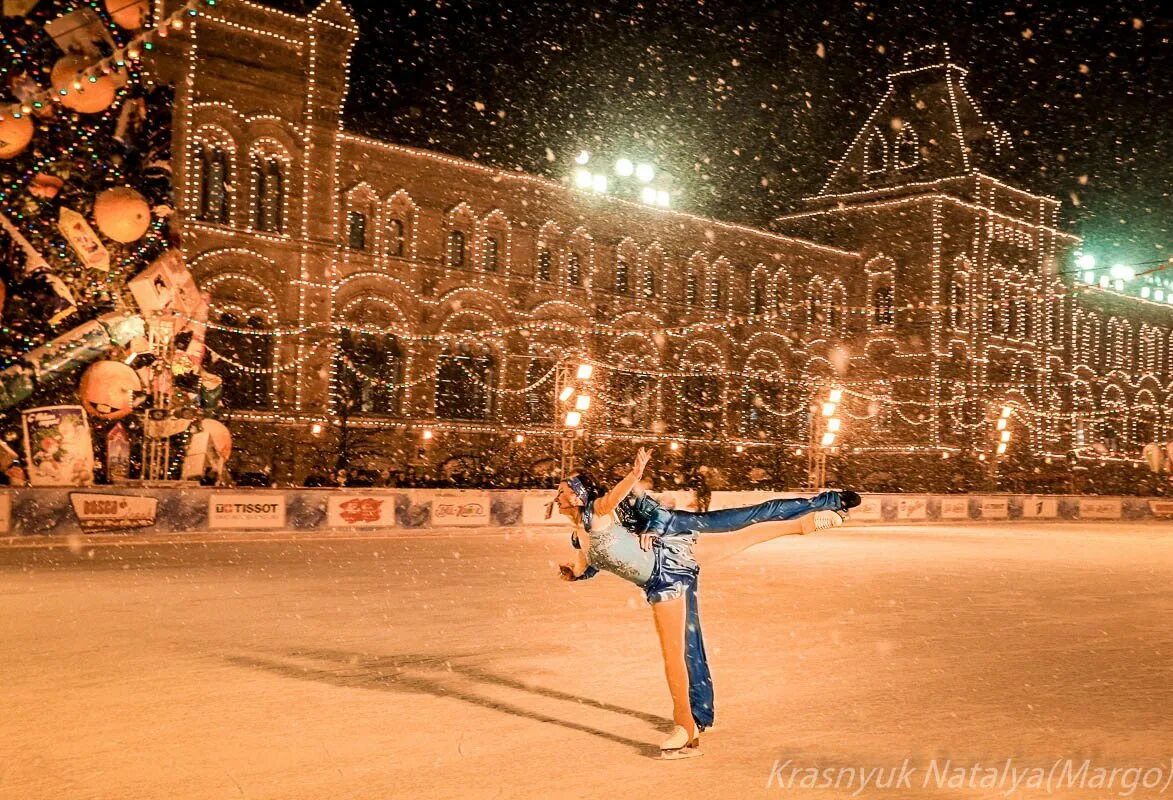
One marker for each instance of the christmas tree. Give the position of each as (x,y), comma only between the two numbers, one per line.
(91,279)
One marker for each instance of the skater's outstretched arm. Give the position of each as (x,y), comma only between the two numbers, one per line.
(607,503)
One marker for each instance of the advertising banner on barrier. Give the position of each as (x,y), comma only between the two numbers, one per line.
(538,509)
(360,511)
(1035,507)
(1099,508)
(239,511)
(108,512)
(912,508)
(870,509)
(955,507)
(5,512)
(1161,508)
(994,507)
(465,509)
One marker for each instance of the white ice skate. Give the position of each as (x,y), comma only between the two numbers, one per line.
(822,520)
(680,745)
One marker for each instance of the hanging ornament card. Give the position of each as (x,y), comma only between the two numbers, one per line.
(58,448)
(83,240)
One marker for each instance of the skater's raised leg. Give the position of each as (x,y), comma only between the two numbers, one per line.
(734,519)
(709,549)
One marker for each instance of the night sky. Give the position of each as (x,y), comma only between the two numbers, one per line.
(748,105)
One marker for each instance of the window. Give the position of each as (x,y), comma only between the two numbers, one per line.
(371,369)
(757,303)
(958,313)
(396,245)
(882,305)
(621,277)
(544,264)
(455,249)
(213,200)
(490,254)
(574,269)
(243,388)
(818,311)
(907,148)
(631,405)
(875,153)
(463,380)
(269,195)
(356,230)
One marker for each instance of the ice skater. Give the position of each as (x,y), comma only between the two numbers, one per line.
(659,550)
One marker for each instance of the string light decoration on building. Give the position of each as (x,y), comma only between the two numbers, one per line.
(540,272)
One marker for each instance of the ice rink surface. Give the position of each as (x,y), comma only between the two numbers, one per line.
(459,666)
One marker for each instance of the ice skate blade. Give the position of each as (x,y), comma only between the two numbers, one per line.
(682,753)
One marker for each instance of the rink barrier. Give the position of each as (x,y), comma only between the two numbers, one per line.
(46,511)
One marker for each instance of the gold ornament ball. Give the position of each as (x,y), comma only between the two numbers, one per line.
(128,14)
(92,97)
(122,214)
(219,436)
(15,133)
(107,389)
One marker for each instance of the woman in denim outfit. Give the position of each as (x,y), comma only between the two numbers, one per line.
(657,549)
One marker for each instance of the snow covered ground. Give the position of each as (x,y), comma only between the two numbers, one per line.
(437,666)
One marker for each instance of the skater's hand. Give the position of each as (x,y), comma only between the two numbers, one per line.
(641,461)
(646,539)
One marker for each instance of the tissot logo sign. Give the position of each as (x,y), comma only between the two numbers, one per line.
(246,511)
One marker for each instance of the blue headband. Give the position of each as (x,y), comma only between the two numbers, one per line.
(576,486)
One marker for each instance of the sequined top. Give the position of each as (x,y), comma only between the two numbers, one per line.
(616,549)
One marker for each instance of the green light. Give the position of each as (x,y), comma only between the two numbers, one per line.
(1122,272)
(148,45)
(1085,261)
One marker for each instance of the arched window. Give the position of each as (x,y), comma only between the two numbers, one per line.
(356,230)
(539,400)
(907,147)
(268,194)
(574,269)
(464,377)
(233,339)
(621,276)
(455,249)
(214,181)
(396,241)
(882,305)
(545,264)
(490,255)
(371,369)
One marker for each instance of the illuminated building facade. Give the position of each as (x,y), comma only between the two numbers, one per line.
(377,292)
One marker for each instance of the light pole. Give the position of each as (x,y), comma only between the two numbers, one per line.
(1001,441)
(571,402)
(824,430)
